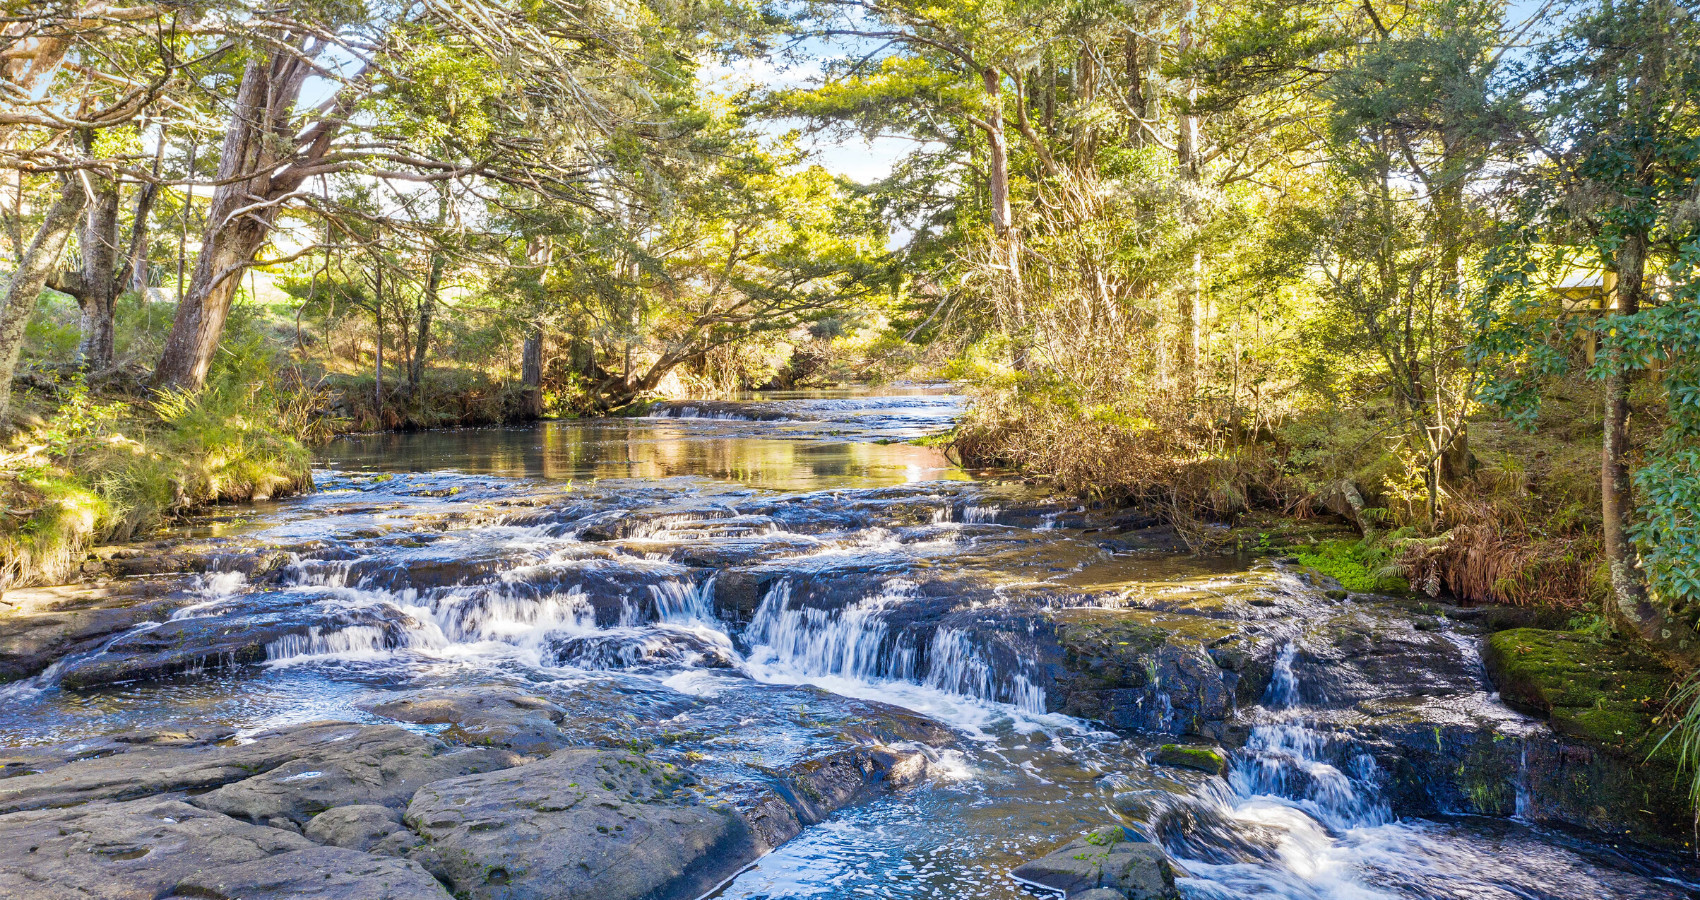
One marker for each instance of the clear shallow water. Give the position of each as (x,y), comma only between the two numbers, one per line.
(466,559)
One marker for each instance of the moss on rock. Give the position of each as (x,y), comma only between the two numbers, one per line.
(1607,692)
(1204,759)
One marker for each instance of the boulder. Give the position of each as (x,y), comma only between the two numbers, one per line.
(1107,858)
(581,825)
(1204,759)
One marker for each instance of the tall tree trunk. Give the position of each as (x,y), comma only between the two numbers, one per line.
(262,162)
(40,258)
(998,178)
(378,361)
(98,299)
(1186,151)
(1630,606)
(531,374)
(428,300)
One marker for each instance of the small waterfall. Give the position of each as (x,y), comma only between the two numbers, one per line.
(493,613)
(857,642)
(854,642)
(682,602)
(1293,762)
(1283,690)
(980,515)
(956,666)
(352,642)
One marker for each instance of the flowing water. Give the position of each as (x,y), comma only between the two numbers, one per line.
(724,581)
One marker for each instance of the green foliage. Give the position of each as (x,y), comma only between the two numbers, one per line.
(1358,567)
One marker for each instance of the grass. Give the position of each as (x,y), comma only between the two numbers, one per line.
(106,466)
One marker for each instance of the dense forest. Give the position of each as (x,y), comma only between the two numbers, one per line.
(1432,266)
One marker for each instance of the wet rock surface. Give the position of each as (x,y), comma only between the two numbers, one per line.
(167,848)
(41,625)
(486,716)
(580,824)
(374,765)
(1108,862)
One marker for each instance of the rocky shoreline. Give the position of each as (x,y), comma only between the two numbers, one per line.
(490,791)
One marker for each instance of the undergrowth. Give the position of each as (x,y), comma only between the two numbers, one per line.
(1360,566)
(110,466)
(1516,522)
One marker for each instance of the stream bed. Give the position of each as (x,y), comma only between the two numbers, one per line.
(741,589)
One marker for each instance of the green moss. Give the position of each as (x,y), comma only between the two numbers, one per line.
(1607,692)
(941,440)
(1204,759)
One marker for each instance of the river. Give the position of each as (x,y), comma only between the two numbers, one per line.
(720,582)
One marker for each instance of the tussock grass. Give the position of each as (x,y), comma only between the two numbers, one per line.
(101,468)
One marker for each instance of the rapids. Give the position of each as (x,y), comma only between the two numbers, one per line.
(720,582)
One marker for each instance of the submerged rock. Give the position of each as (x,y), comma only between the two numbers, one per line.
(1104,860)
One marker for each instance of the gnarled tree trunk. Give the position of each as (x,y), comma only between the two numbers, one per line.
(39,259)
(262,162)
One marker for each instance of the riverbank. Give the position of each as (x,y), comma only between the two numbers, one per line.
(1518,525)
(91,466)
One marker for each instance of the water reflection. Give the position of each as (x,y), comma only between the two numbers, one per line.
(583,451)
(793,441)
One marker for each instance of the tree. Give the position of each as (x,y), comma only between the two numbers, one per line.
(733,248)
(1622,140)
(516,106)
